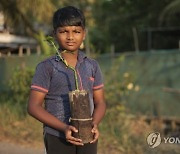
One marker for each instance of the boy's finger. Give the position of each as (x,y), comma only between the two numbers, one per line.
(73,129)
(75,143)
(93,141)
(96,136)
(94,130)
(73,139)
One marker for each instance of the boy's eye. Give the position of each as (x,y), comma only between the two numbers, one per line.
(76,31)
(63,31)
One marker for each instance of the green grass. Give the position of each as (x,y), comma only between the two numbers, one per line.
(121,131)
(18,127)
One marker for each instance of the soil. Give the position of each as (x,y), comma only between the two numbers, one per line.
(12,148)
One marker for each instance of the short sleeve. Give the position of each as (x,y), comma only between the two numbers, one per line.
(98,77)
(41,79)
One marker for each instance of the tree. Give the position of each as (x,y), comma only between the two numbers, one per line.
(172,10)
(22,15)
(115,19)
(109,22)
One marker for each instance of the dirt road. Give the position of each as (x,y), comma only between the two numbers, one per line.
(10,148)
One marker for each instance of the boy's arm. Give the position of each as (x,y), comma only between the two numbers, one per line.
(99,106)
(99,111)
(36,109)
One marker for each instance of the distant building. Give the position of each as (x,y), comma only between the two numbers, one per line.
(13,44)
(1,21)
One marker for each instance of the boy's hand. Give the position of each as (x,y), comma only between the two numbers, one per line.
(69,138)
(95,131)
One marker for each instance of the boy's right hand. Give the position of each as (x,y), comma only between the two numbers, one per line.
(69,138)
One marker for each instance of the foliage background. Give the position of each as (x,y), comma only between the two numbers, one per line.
(110,23)
(134,88)
(134,81)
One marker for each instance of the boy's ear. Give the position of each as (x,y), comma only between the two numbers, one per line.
(54,32)
(85,31)
(84,37)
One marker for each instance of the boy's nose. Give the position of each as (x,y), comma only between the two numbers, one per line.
(70,36)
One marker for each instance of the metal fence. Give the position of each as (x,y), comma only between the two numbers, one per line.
(10,63)
(155,75)
(155,89)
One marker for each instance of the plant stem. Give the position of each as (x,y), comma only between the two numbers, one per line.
(65,62)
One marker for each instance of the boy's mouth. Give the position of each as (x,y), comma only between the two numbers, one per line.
(70,43)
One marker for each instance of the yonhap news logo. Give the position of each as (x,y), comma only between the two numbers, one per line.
(154,139)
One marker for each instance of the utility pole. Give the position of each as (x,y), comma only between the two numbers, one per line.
(149,38)
(136,40)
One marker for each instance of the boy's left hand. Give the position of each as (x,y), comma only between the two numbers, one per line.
(95,131)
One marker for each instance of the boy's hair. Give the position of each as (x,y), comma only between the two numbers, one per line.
(68,16)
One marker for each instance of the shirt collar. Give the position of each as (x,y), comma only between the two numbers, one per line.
(81,56)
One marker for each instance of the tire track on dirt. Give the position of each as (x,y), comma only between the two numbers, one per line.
(10,148)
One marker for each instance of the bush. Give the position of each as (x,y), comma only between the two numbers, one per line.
(118,127)
(19,86)
(119,83)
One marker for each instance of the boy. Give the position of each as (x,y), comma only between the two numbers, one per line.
(53,80)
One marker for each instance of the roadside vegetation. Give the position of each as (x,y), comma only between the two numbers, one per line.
(118,131)
(122,132)
(113,26)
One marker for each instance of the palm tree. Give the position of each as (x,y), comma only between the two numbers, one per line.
(171,9)
(23,14)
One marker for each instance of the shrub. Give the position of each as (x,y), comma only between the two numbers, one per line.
(19,86)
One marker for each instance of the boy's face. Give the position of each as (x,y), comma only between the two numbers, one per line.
(70,37)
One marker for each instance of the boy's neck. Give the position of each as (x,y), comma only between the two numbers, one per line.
(70,57)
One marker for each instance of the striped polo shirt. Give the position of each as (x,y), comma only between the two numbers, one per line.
(56,80)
